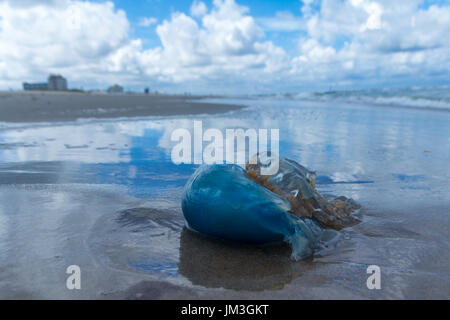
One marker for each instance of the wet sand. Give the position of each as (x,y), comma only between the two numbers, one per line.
(104,195)
(41,106)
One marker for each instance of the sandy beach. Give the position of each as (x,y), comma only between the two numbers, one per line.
(104,194)
(42,106)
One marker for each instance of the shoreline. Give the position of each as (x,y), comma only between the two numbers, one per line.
(41,106)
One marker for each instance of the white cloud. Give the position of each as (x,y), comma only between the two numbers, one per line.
(46,38)
(283,21)
(29,3)
(380,40)
(147,21)
(226,41)
(86,40)
(374,10)
(315,52)
(198,9)
(342,41)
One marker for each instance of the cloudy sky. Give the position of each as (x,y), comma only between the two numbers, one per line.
(226,46)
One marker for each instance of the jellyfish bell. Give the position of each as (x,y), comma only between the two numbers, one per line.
(221,201)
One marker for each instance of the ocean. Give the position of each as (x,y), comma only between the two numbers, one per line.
(415,97)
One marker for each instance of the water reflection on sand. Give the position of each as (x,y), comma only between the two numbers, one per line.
(105,195)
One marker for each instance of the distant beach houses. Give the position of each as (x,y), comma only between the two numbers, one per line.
(35,86)
(115,89)
(55,82)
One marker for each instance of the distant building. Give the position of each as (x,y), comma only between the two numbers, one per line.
(35,86)
(54,82)
(115,89)
(57,82)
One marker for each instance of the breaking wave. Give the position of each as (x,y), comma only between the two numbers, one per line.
(430,98)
